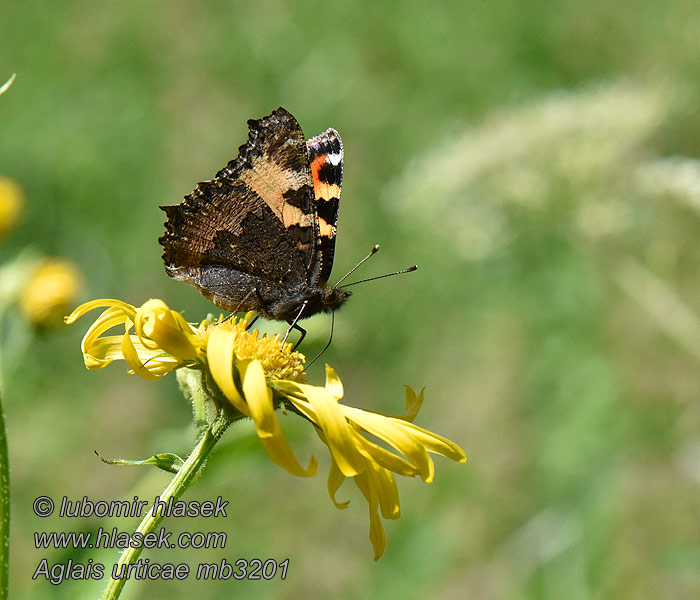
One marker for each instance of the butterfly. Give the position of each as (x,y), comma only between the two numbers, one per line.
(261,235)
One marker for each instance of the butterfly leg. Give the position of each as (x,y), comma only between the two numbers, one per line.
(293,325)
(303,335)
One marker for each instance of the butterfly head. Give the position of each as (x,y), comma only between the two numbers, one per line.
(332,298)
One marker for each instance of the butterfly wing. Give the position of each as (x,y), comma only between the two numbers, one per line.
(253,227)
(326,161)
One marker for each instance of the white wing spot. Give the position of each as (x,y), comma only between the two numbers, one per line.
(334,159)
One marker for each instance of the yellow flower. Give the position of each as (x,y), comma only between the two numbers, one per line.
(255,375)
(11,204)
(344,430)
(49,291)
(163,341)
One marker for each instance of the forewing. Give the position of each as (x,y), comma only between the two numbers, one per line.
(326,159)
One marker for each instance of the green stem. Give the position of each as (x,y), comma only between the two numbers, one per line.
(4,510)
(177,486)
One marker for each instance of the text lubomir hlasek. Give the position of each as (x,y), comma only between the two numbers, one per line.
(135,508)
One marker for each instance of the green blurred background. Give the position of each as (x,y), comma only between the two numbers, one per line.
(537,159)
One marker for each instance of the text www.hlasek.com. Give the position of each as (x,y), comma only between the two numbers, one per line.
(122,539)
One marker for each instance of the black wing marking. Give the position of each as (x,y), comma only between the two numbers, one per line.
(326,161)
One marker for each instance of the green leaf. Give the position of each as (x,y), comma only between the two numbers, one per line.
(167,461)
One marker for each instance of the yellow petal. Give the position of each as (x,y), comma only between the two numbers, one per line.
(413,404)
(132,359)
(107,349)
(168,330)
(383,457)
(384,484)
(108,319)
(436,443)
(335,480)
(333,384)
(103,351)
(220,358)
(127,309)
(376,529)
(324,410)
(396,433)
(259,399)
(282,455)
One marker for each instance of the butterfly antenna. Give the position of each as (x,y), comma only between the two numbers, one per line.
(413,268)
(329,341)
(351,271)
